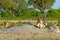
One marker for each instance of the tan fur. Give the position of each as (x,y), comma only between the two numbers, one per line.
(40,23)
(7,24)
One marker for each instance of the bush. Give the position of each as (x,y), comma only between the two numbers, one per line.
(6,15)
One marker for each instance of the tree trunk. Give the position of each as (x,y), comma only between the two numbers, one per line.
(44,17)
(13,14)
(25,12)
(0,13)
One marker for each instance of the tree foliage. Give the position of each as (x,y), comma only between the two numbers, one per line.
(42,5)
(8,4)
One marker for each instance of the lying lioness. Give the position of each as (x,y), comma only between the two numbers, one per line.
(7,24)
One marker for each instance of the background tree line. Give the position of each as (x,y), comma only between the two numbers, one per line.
(18,9)
(53,14)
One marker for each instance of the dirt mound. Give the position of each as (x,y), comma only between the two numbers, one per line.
(27,31)
(26,26)
(52,27)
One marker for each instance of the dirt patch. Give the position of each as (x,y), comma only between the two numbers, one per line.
(27,31)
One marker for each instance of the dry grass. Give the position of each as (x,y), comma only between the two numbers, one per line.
(14,22)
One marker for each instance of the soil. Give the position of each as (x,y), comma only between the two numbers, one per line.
(27,31)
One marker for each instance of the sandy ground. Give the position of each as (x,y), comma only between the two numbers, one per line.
(27,32)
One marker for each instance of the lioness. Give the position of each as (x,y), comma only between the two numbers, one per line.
(40,23)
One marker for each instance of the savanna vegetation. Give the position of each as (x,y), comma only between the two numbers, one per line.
(25,10)
(19,9)
(53,14)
